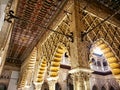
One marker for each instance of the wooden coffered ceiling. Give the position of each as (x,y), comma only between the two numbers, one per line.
(33,14)
(112,5)
(26,31)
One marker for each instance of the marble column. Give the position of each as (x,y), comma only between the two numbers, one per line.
(87,85)
(29,77)
(87,81)
(78,81)
(80,78)
(27,88)
(74,81)
(38,86)
(52,84)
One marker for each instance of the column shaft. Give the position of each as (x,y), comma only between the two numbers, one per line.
(52,84)
(38,86)
(87,85)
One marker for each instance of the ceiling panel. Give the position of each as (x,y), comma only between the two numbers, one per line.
(27,31)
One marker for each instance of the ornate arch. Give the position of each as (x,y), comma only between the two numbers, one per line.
(27,70)
(69,82)
(41,70)
(95,87)
(111,57)
(32,59)
(57,57)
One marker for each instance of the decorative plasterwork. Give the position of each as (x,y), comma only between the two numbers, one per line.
(107,30)
(80,76)
(48,50)
(50,44)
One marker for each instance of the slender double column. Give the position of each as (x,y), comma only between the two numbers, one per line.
(80,79)
(77,81)
(87,81)
(52,82)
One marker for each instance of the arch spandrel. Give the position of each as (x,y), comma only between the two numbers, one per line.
(108,52)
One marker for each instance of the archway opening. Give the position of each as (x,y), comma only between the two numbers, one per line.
(45,86)
(103,88)
(112,88)
(65,59)
(98,61)
(94,87)
(70,83)
(110,60)
(57,86)
(3,87)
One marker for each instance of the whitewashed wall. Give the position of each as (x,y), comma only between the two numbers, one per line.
(13,81)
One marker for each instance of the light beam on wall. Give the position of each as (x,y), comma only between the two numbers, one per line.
(3,4)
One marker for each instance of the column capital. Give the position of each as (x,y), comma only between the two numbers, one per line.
(80,75)
(24,88)
(80,69)
(38,86)
(52,81)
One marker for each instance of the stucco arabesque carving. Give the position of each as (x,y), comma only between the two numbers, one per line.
(80,76)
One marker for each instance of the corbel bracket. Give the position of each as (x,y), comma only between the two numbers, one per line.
(10,16)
